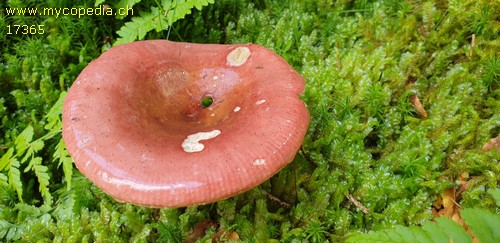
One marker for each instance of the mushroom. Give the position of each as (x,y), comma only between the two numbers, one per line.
(167,124)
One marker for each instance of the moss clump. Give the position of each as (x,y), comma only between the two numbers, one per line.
(369,161)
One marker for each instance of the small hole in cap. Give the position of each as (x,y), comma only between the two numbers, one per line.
(206,101)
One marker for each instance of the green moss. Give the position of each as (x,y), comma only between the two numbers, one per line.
(366,145)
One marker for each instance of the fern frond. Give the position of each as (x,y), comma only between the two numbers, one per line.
(199,4)
(53,117)
(139,26)
(98,2)
(179,9)
(482,223)
(443,230)
(168,232)
(5,160)
(24,144)
(26,149)
(43,179)
(65,160)
(454,232)
(434,231)
(495,193)
(7,229)
(15,178)
(4,180)
(158,19)
(81,194)
(33,147)
(9,163)
(124,4)
(23,140)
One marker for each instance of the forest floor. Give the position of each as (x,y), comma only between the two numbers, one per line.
(404,98)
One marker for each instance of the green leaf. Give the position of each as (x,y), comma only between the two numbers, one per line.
(33,161)
(36,145)
(54,115)
(6,229)
(33,147)
(483,223)
(98,2)
(157,19)
(5,160)
(23,140)
(43,179)
(65,160)
(168,232)
(419,234)
(138,27)
(199,4)
(4,180)
(125,4)
(179,9)
(494,192)
(454,231)
(434,232)
(13,175)
(15,178)
(443,230)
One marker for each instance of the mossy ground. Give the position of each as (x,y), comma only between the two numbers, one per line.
(369,161)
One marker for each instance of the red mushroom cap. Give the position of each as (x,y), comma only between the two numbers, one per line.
(135,125)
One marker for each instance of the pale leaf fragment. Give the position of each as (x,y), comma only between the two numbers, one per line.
(415,101)
(491,144)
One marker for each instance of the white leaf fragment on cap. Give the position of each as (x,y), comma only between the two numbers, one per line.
(238,56)
(192,143)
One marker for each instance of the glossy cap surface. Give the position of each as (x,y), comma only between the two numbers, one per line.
(135,125)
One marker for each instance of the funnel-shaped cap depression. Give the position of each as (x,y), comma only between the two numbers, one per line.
(166,124)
